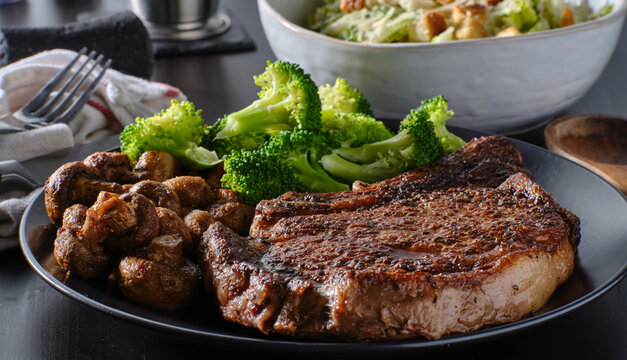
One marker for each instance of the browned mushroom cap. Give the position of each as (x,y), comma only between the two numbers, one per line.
(159,194)
(198,221)
(147,224)
(214,178)
(133,221)
(113,166)
(164,279)
(74,183)
(234,215)
(171,224)
(80,257)
(157,165)
(167,249)
(117,215)
(193,191)
(224,196)
(74,217)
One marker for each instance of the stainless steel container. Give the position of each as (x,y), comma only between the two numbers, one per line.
(181,19)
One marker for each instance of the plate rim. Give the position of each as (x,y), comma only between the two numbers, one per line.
(484,334)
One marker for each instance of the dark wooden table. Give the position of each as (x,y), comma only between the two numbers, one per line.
(37,322)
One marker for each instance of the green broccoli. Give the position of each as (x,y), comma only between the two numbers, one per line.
(342,98)
(257,176)
(250,140)
(355,129)
(288,100)
(287,162)
(436,109)
(422,138)
(177,130)
(301,150)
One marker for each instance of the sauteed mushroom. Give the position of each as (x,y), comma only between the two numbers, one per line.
(224,196)
(82,251)
(157,165)
(234,215)
(171,224)
(74,217)
(74,183)
(159,194)
(113,166)
(131,235)
(158,275)
(214,178)
(198,221)
(193,191)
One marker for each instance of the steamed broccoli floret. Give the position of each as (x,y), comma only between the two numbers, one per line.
(258,176)
(288,100)
(422,138)
(355,129)
(301,151)
(342,98)
(250,140)
(287,162)
(436,110)
(177,130)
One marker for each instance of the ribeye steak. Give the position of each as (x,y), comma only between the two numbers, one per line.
(465,242)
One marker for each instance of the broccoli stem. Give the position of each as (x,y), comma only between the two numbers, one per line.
(350,172)
(199,158)
(313,176)
(369,153)
(264,114)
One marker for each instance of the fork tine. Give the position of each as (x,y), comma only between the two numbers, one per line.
(74,109)
(69,97)
(46,108)
(42,95)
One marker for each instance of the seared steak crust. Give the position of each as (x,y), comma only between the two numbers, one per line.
(483,162)
(428,254)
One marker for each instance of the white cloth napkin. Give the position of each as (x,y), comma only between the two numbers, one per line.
(117,101)
(12,205)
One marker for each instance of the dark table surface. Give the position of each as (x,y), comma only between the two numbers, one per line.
(37,322)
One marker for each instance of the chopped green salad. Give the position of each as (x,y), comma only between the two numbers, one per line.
(388,21)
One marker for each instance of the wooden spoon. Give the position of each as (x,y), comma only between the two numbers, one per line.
(598,142)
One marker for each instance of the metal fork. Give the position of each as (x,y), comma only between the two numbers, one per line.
(61,108)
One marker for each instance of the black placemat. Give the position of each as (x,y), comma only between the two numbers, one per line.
(120,36)
(234,39)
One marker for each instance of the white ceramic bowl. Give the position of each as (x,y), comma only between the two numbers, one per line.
(501,85)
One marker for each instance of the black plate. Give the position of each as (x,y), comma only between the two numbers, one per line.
(601,263)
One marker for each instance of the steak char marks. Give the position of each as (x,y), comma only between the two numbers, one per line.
(466,242)
(483,162)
